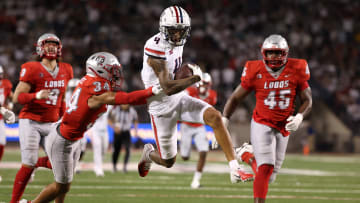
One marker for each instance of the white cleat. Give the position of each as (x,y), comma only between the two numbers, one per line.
(195,184)
(240,151)
(239,175)
(0,178)
(24,201)
(99,173)
(145,162)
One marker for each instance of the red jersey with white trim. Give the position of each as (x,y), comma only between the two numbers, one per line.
(78,117)
(211,99)
(5,91)
(275,95)
(36,74)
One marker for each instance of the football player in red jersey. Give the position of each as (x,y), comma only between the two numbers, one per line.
(88,101)
(197,131)
(5,94)
(41,90)
(276,80)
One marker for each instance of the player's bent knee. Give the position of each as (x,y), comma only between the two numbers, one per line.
(168,163)
(212,117)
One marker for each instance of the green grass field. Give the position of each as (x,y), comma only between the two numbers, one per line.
(315,178)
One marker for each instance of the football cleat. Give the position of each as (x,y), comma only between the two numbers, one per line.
(239,175)
(145,162)
(245,153)
(24,201)
(195,184)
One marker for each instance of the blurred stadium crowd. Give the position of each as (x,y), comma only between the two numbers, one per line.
(224,34)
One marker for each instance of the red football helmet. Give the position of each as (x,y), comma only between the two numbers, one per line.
(275,43)
(48,38)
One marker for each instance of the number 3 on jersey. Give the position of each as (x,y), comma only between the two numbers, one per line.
(283,101)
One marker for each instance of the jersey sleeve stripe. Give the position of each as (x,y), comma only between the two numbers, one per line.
(177,14)
(157,57)
(155,51)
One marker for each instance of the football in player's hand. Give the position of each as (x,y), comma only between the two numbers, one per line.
(183,72)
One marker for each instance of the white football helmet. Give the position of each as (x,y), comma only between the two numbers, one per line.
(172,20)
(275,43)
(105,65)
(205,83)
(48,37)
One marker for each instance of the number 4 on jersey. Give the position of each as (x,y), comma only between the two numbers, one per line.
(283,101)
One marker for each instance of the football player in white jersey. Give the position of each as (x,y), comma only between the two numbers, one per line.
(162,57)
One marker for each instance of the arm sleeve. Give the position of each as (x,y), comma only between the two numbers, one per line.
(135,98)
(25,98)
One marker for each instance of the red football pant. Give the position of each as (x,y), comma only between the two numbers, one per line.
(261,182)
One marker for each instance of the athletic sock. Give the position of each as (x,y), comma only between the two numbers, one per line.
(43,162)
(21,179)
(249,158)
(197,175)
(261,182)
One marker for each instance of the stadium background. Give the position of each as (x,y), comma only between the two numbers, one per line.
(230,32)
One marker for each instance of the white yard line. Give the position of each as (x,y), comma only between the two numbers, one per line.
(209,168)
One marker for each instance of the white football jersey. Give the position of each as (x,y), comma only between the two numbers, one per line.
(157,47)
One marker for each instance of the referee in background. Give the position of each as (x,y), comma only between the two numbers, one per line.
(120,119)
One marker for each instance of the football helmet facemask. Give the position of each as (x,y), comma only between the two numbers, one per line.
(48,38)
(278,45)
(175,25)
(105,65)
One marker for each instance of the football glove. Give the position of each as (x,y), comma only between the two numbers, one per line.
(42,94)
(156,89)
(294,122)
(8,115)
(196,70)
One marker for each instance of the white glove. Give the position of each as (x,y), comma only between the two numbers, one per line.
(196,70)
(8,115)
(156,89)
(214,143)
(225,121)
(294,122)
(42,94)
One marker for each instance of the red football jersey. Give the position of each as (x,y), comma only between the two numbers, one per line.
(275,96)
(35,74)
(210,99)
(78,117)
(5,90)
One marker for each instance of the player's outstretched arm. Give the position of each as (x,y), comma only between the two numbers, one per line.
(115,98)
(23,96)
(236,97)
(169,85)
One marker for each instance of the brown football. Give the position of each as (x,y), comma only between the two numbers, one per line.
(183,72)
